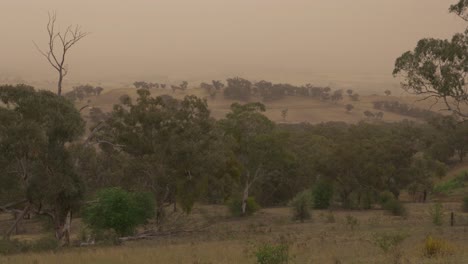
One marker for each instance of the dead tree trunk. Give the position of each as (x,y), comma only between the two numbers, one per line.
(57,56)
(63,228)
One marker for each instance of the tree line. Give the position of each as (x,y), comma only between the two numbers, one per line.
(241,89)
(176,151)
(80,92)
(404,109)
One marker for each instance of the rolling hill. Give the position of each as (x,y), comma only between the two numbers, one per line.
(300,109)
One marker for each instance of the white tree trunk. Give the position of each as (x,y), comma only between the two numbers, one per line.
(63,229)
(245,196)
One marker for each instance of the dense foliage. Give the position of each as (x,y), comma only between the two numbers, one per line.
(176,151)
(116,209)
(35,128)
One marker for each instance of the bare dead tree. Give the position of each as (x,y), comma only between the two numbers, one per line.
(59,45)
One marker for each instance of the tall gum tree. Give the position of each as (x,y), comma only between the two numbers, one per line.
(256,144)
(438,68)
(35,129)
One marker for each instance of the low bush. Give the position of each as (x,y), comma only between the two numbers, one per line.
(272,254)
(301,205)
(385,197)
(437,214)
(389,241)
(434,247)
(322,194)
(395,207)
(119,210)
(235,206)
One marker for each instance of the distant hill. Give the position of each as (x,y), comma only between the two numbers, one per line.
(300,109)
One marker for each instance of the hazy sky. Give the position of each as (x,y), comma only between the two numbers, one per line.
(203,38)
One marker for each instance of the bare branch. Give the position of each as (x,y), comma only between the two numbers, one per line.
(5,208)
(57,56)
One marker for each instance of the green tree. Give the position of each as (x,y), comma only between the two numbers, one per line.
(36,127)
(449,138)
(238,89)
(423,170)
(322,193)
(257,146)
(460,9)
(337,96)
(168,143)
(437,68)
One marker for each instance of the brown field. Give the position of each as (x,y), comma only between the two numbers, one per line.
(233,240)
(300,109)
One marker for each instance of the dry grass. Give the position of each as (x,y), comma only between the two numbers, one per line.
(300,109)
(234,240)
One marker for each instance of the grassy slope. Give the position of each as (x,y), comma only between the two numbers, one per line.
(456,194)
(316,241)
(300,109)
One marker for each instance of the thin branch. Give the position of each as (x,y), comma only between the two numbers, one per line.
(17,220)
(5,208)
(57,56)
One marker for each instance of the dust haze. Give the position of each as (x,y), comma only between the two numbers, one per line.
(339,43)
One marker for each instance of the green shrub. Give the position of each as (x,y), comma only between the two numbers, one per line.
(301,205)
(119,210)
(272,254)
(322,195)
(395,207)
(437,214)
(389,241)
(235,206)
(385,197)
(465,204)
(146,204)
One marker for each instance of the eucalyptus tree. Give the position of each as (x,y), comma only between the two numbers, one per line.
(257,145)
(35,129)
(168,143)
(438,68)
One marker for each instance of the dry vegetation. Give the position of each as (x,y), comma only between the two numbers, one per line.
(328,238)
(317,241)
(300,109)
